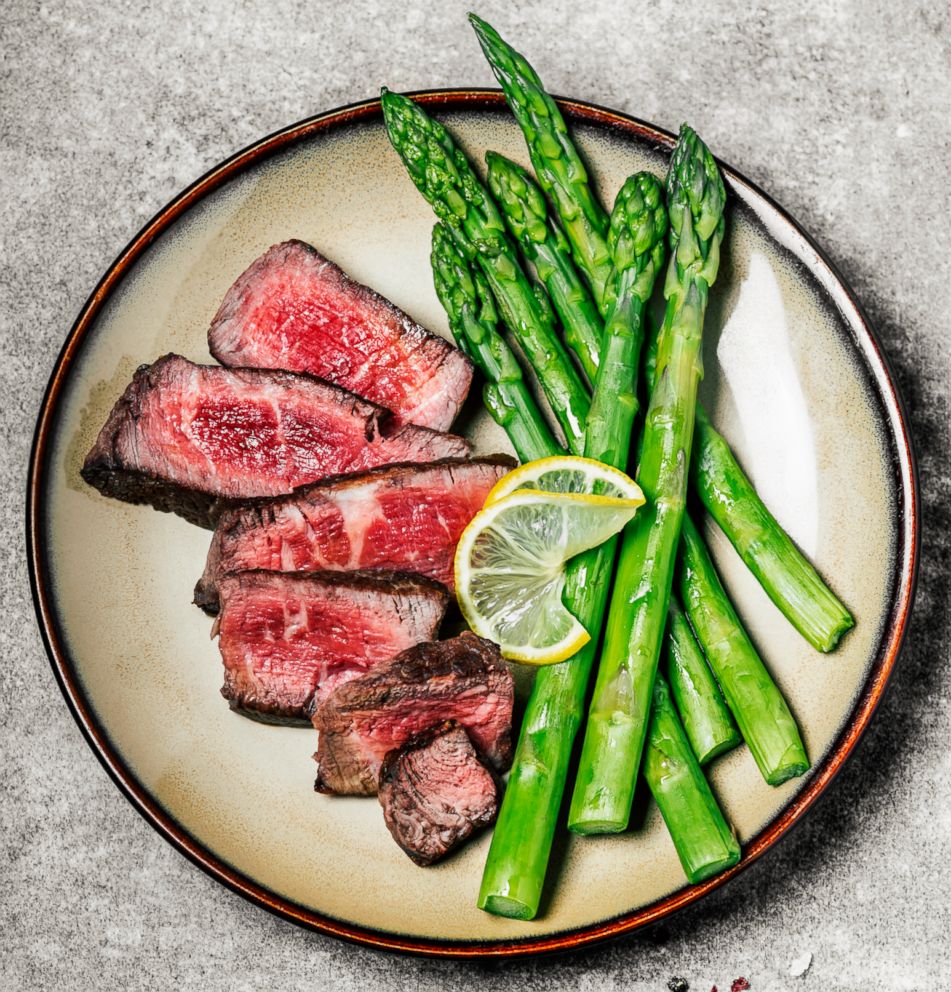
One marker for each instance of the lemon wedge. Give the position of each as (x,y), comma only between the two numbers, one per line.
(510,560)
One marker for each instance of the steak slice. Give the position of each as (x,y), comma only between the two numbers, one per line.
(463,679)
(186,437)
(436,792)
(407,518)
(287,638)
(294,309)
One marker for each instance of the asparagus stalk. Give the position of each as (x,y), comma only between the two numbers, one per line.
(618,716)
(473,320)
(764,719)
(444,176)
(544,244)
(521,842)
(705,717)
(778,750)
(556,161)
(703,839)
(788,578)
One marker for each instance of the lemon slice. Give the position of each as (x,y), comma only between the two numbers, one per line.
(567,474)
(510,568)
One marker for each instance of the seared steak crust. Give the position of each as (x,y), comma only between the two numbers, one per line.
(295,309)
(400,517)
(191,438)
(436,792)
(288,638)
(462,679)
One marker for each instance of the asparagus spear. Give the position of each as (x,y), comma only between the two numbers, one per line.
(704,714)
(704,841)
(788,578)
(558,166)
(761,712)
(617,718)
(473,320)
(521,842)
(544,243)
(444,176)
(727,646)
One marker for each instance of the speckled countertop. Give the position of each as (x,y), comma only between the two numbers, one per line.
(839,110)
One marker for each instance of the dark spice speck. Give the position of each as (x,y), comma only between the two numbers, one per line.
(678,985)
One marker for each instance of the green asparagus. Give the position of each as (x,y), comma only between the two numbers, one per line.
(761,713)
(473,320)
(788,578)
(558,166)
(704,714)
(521,842)
(618,716)
(544,243)
(704,841)
(770,554)
(726,644)
(444,176)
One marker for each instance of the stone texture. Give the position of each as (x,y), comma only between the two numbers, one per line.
(840,111)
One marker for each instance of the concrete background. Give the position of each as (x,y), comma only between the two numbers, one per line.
(839,110)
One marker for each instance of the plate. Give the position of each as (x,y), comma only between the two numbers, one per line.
(795,378)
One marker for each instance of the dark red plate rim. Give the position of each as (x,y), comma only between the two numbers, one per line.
(894,627)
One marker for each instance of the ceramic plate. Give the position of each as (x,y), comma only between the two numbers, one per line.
(794,377)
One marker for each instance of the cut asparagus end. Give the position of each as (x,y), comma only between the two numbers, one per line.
(514,909)
(722,747)
(710,868)
(791,767)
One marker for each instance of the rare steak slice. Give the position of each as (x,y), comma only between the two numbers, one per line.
(186,437)
(463,679)
(436,792)
(287,638)
(406,518)
(294,309)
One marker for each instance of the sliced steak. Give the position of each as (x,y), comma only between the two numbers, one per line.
(406,518)
(436,792)
(294,309)
(186,437)
(463,679)
(287,638)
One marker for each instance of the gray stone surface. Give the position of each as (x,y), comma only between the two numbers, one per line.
(840,110)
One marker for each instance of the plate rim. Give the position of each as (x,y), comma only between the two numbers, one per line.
(866,702)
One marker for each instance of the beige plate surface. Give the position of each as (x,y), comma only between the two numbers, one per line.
(791,382)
